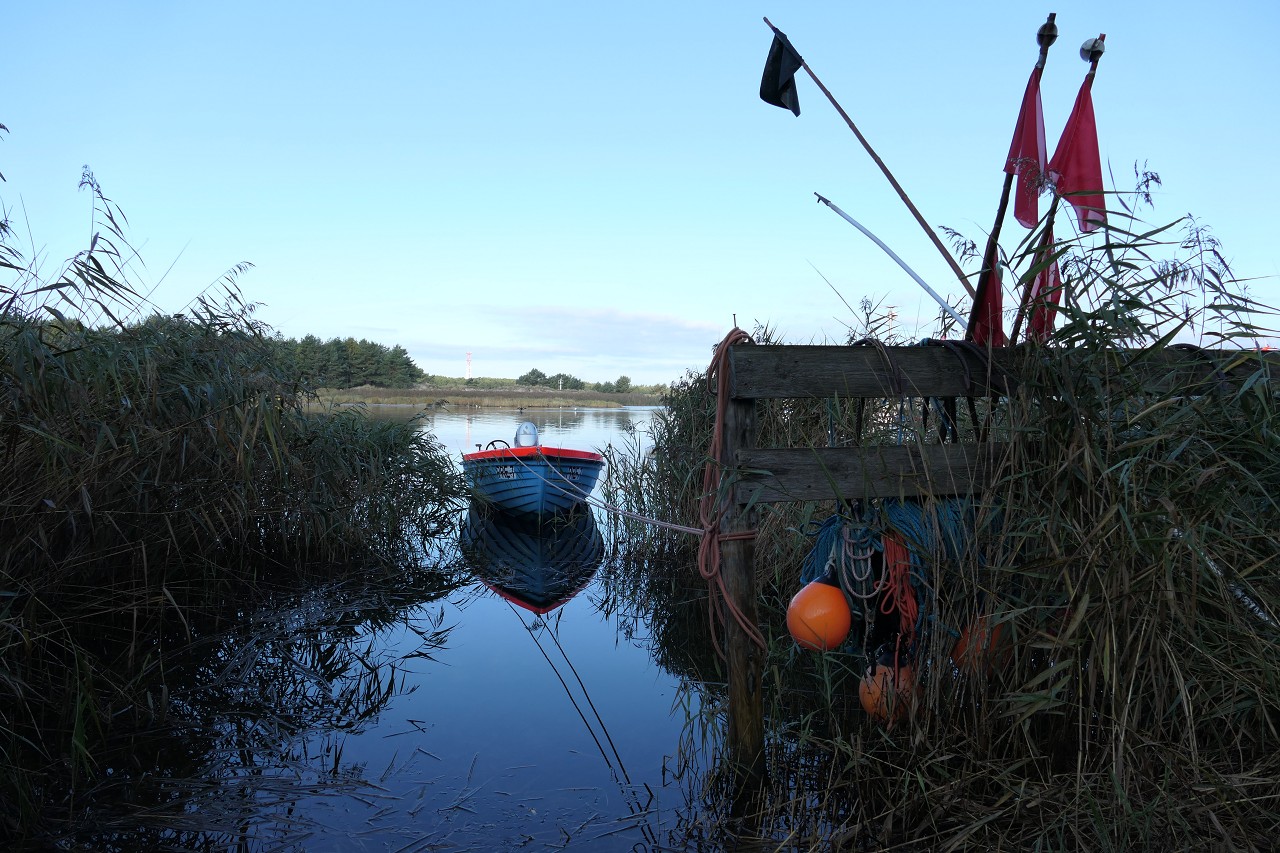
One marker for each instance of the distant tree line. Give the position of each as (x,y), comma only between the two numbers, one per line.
(341,363)
(348,363)
(563,381)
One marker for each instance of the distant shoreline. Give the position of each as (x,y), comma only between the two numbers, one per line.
(497,398)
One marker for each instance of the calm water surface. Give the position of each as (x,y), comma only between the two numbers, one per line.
(519,731)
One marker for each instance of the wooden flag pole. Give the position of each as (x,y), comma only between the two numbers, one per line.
(1041,254)
(1091,51)
(1045,37)
(902,194)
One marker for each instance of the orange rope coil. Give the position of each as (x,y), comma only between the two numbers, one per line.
(711,508)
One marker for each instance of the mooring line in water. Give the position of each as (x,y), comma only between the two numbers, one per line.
(592,705)
(635,516)
(568,692)
(628,792)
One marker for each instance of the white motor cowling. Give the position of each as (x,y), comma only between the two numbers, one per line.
(527,435)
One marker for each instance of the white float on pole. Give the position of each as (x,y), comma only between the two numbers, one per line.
(927,289)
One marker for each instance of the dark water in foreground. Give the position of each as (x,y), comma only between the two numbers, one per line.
(502,729)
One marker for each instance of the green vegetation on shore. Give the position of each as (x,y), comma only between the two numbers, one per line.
(364,371)
(351,371)
(346,363)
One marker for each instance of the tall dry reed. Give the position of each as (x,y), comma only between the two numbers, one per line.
(155,469)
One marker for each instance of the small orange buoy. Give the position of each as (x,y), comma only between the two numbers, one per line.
(981,647)
(818,617)
(886,691)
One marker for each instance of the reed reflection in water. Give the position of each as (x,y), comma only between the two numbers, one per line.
(423,709)
(251,708)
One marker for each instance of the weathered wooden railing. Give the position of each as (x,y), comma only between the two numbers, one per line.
(764,475)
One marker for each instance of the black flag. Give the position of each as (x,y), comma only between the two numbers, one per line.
(778,86)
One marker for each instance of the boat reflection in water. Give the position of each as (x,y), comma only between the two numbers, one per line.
(534,562)
(538,563)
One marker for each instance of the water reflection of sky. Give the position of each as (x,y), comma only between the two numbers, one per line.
(523,730)
(585,429)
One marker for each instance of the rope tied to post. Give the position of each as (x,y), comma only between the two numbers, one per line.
(716,492)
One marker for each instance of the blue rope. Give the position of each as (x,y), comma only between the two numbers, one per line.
(842,549)
(939,530)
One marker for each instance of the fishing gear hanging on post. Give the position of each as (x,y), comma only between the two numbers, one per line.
(877,573)
(850,551)
(874,569)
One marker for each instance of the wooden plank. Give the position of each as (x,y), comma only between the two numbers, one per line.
(824,473)
(761,372)
(765,372)
(1190,371)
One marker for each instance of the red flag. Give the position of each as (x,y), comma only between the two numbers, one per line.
(1046,291)
(1076,168)
(986,325)
(1027,153)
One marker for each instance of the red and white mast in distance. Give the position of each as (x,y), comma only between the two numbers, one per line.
(468,365)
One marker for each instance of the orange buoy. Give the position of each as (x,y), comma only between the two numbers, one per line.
(887,691)
(818,617)
(981,647)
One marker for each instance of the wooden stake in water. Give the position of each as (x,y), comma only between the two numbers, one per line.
(745,657)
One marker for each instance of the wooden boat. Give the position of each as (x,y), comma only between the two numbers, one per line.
(529,478)
(535,563)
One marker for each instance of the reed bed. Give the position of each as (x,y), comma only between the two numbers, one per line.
(158,470)
(1128,550)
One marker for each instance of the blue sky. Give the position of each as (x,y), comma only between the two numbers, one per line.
(596,188)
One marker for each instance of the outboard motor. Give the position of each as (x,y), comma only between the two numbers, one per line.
(527,435)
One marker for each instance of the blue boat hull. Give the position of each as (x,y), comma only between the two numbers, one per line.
(532,481)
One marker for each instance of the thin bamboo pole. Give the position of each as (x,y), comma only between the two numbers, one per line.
(946,306)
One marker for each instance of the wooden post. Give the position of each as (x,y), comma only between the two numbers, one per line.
(745,658)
